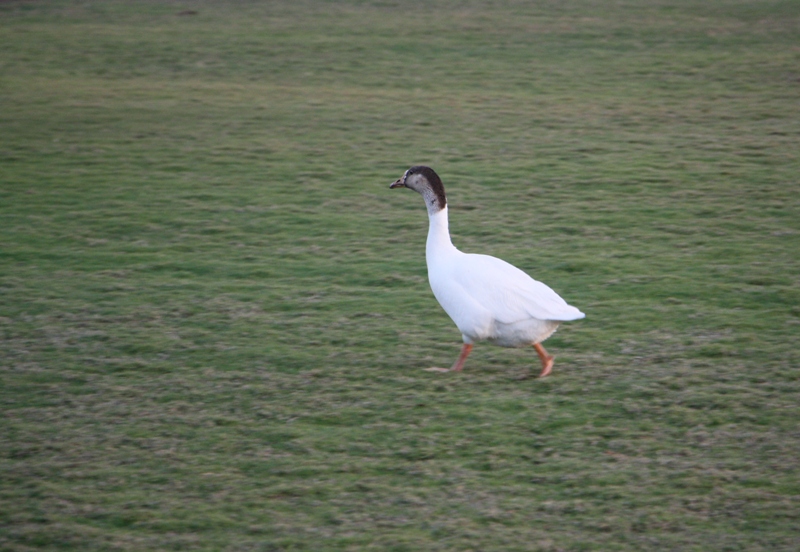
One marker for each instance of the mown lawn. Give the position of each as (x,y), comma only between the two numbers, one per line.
(215,316)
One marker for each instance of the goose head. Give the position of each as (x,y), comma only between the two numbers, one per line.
(425,182)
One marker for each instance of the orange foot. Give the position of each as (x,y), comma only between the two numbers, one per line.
(459,364)
(547,360)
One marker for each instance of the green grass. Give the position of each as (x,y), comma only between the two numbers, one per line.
(214,314)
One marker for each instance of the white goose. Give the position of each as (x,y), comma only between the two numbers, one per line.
(486,297)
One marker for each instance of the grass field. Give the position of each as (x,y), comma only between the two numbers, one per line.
(215,315)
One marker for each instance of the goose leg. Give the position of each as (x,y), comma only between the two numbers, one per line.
(465,350)
(547,360)
(459,362)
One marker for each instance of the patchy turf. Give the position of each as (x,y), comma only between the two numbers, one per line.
(214,314)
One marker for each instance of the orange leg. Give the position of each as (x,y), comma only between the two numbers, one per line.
(547,360)
(459,365)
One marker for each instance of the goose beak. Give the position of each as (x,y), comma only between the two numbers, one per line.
(398,183)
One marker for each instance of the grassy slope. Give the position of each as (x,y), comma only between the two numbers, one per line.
(214,313)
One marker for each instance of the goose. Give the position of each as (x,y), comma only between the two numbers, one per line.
(487,298)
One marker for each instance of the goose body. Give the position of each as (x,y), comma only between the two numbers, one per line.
(487,298)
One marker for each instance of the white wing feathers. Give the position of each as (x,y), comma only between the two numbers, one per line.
(508,292)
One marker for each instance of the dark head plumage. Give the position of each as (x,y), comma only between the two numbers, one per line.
(426,182)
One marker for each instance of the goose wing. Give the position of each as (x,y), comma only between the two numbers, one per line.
(508,292)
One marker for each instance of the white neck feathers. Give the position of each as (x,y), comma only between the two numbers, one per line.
(439,242)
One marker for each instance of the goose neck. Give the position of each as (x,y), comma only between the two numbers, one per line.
(439,232)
